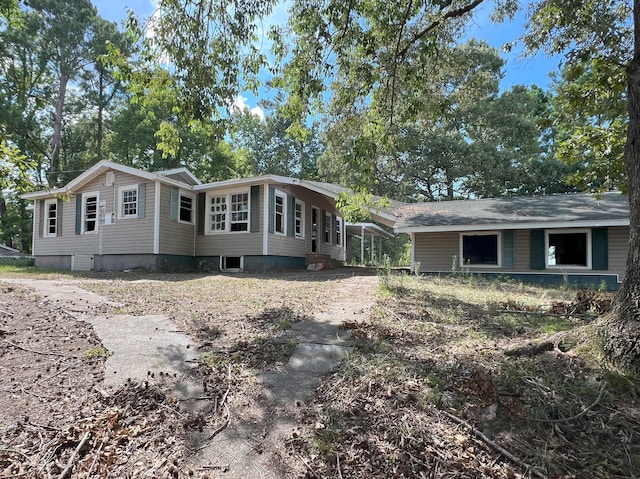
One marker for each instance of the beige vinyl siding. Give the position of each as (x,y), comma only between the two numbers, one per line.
(435,252)
(125,236)
(175,237)
(231,243)
(618,249)
(312,199)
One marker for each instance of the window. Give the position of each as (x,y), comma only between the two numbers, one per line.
(50,227)
(240,212)
(480,249)
(128,202)
(339,231)
(569,248)
(90,213)
(218,213)
(299,219)
(186,209)
(327,227)
(280,213)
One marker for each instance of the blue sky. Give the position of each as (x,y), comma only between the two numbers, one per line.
(518,70)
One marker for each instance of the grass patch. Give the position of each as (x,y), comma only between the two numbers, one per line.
(434,347)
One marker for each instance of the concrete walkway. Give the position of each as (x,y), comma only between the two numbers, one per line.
(322,344)
(144,346)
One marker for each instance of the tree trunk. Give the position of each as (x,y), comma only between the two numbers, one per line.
(622,332)
(101,102)
(56,139)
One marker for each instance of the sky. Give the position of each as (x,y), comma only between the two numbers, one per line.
(518,70)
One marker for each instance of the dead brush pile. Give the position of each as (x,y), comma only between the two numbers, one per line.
(430,392)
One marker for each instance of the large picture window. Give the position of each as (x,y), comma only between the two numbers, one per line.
(229,213)
(568,248)
(480,249)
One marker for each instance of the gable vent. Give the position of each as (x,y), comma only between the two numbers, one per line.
(111,178)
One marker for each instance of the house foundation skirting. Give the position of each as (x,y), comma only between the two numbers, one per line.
(165,263)
(250,263)
(608,282)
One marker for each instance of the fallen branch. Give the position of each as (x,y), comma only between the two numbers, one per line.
(533,348)
(493,445)
(72,460)
(581,413)
(42,353)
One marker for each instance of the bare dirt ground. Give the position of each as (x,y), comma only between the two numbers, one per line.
(429,391)
(55,413)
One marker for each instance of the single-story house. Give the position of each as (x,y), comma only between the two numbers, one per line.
(115,217)
(579,238)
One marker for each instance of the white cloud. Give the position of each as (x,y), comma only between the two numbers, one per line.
(240,104)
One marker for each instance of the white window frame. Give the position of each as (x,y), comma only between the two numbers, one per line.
(246,211)
(45,227)
(298,222)
(283,197)
(121,192)
(85,197)
(326,231)
(182,194)
(227,213)
(498,264)
(585,231)
(338,232)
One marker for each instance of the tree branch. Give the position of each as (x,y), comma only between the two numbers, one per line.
(458,12)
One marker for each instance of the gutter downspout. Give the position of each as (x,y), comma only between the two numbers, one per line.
(156,218)
(412,251)
(265,220)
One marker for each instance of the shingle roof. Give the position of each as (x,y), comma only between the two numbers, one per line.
(579,209)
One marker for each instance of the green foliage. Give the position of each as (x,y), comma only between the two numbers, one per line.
(357,206)
(590,104)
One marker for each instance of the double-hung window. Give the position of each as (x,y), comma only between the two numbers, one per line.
(90,213)
(327,227)
(280,213)
(50,227)
(240,212)
(128,202)
(480,249)
(339,231)
(185,214)
(299,219)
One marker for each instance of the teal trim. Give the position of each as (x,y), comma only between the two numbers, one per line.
(272,206)
(508,249)
(59,208)
(78,213)
(174,207)
(291,216)
(254,209)
(536,250)
(41,221)
(201,213)
(142,196)
(600,249)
